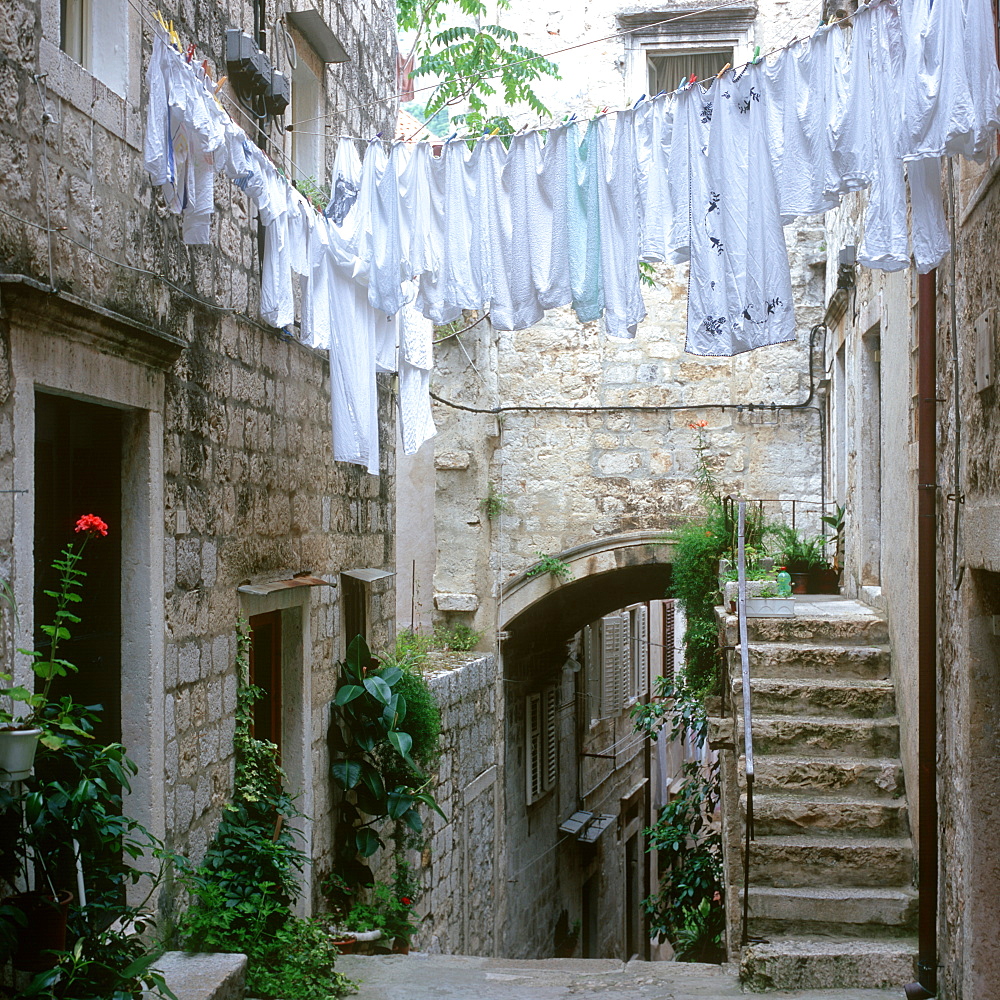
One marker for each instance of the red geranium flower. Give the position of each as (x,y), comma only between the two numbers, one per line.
(405,900)
(93,524)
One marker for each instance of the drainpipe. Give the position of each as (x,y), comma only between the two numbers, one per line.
(927,814)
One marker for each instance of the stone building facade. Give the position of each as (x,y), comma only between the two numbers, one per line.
(136,382)
(558,441)
(564,473)
(873,399)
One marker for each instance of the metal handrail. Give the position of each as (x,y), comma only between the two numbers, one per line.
(741,609)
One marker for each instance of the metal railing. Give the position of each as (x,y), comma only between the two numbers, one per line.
(741,610)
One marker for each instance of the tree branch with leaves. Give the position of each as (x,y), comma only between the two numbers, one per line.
(472,62)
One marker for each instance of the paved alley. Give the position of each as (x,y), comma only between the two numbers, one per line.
(430,977)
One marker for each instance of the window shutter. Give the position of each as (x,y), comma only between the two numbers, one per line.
(592,666)
(533,746)
(669,654)
(628,669)
(642,647)
(611,664)
(551,741)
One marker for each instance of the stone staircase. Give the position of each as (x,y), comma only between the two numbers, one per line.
(832,903)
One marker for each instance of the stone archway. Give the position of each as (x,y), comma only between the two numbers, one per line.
(608,574)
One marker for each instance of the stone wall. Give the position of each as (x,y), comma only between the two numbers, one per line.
(569,474)
(969,588)
(227,468)
(881,539)
(465,858)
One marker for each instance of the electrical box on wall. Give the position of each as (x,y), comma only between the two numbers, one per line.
(985,346)
(278,93)
(249,68)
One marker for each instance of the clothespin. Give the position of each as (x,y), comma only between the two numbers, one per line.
(718,76)
(189,55)
(637,103)
(693,80)
(683,84)
(756,56)
(450,137)
(496,131)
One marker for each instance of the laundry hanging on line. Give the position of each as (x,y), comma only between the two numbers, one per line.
(563,218)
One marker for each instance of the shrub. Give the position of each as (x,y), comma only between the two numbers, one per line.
(242,893)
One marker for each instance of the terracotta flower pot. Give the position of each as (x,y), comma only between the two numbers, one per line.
(346,945)
(401,946)
(45,932)
(17,753)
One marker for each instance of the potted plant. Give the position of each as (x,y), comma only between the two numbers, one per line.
(767,604)
(42,720)
(387,914)
(798,553)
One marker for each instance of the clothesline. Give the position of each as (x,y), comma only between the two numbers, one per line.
(548,55)
(706,176)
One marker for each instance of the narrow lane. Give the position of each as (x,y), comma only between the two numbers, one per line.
(455,977)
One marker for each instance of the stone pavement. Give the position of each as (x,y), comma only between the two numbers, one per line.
(456,977)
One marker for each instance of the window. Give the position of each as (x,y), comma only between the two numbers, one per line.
(659,54)
(638,666)
(307,149)
(306,140)
(666,70)
(541,742)
(94,33)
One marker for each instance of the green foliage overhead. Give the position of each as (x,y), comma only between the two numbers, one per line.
(472,61)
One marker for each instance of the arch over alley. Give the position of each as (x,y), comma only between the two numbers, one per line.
(608,574)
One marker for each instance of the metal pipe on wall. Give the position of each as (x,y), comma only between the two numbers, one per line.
(927,813)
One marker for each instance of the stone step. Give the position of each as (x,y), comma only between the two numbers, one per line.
(779,659)
(829,911)
(828,963)
(832,696)
(810,776)
(830,816)
(819,736)
(804,860)
(844,630)
(203,975)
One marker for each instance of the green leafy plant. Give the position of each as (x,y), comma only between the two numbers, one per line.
(798,552)
(495,503)
(68,824)
(459,638)
(55,719)
(243,892)
(552,565)
(687,908)
(311,189)
(647,274)
(387,909)
(471,61)
(368,717)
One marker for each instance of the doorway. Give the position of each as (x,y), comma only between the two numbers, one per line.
(78,470)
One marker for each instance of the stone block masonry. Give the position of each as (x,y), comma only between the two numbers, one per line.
(226,464)
(465,878)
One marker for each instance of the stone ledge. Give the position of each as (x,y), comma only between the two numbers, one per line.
(204,975)
(456,602)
